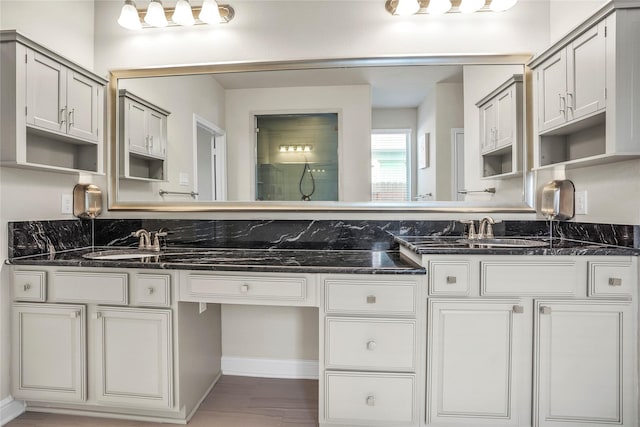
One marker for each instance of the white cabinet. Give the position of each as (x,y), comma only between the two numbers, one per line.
(52,109)
(501,129)
(49,352)
(586,93)
(134,357)
(143,138)
(475,363)
(584,364)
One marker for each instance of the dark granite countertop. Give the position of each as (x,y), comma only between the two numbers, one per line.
(450,245)
(265,260)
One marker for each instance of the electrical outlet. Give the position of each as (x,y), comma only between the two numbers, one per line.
(66,204)
(581,203)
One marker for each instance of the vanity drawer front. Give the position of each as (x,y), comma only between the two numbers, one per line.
(369,297)
(449,277)
(152,290)
(372,344)
(611,278)
(529,277)
(30,286)
(204,287)
(374,399)
(89,287)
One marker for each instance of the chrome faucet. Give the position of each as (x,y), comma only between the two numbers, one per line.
(485,230)
(144,236)
(471,234)
(149,240)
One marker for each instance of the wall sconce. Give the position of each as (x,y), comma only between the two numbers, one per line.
(183,14)
(300,148)
(438,7)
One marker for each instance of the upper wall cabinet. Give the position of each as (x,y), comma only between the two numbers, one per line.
(52,109)
(501,130)
(586,92)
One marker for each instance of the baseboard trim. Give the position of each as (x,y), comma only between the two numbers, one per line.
(10,409)
(270,368)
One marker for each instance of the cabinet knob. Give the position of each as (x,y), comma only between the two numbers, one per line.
(518,309)
(244,288)
(615,281)
(371,401)
(545,310)
(371,299)
(451,280)
(371,345)
(150,290)
(27,286)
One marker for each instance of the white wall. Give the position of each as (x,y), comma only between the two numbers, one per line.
(566,14)
(449,115)
(427,129)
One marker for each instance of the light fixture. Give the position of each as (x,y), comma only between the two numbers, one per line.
(502,5)
(436,7)
(210,12)
(129,17)
(298,148)
(155,14)
(183,15)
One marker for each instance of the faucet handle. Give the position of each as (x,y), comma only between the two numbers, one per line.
(471,235)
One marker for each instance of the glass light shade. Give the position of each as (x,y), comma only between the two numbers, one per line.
(155,15)
(182,14)
(438,7)
(129,17)
(407,7)
(502,5)
(210,13)
(470,6)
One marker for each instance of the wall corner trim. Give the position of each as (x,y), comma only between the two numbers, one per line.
(10,409)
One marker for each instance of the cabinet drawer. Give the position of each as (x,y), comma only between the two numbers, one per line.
(372,399)
(151,290)
(529,277)
(368,297)
(89,287)
(449,277)
(30,286)
(206,287)
(611,278)
(373,344)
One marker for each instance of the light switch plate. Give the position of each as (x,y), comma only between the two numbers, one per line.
(66,204)
(581,203)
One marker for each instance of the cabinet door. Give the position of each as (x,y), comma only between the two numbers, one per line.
(134,357)
(584,364)
(83,97)
(475,359)
(157,133)
(586,73)
(551,78)
(136,127)
(488,117)
(48,352)
(506,118)
(46,93)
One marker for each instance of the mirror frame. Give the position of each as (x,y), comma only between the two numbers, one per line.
(525,206)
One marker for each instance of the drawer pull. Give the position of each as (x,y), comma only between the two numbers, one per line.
(371,345)
(451,280)
(371,401)
(615,281)
(150,290)
(518,309)
(244,288)
(27,286)
(371,299)
(545,310)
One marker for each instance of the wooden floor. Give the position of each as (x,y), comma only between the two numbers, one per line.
(234,402)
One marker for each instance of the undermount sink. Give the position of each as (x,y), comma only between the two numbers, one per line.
(505,243)
(118,254)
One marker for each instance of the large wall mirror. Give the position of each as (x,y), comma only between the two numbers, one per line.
(443,133)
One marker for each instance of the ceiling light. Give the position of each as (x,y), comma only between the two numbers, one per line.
(183,15)
(129,17)
(155,14)
(438,7)
(407,7)
(210,12)
(470,6)
(502,5)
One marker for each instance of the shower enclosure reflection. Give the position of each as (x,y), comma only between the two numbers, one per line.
(297,157)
